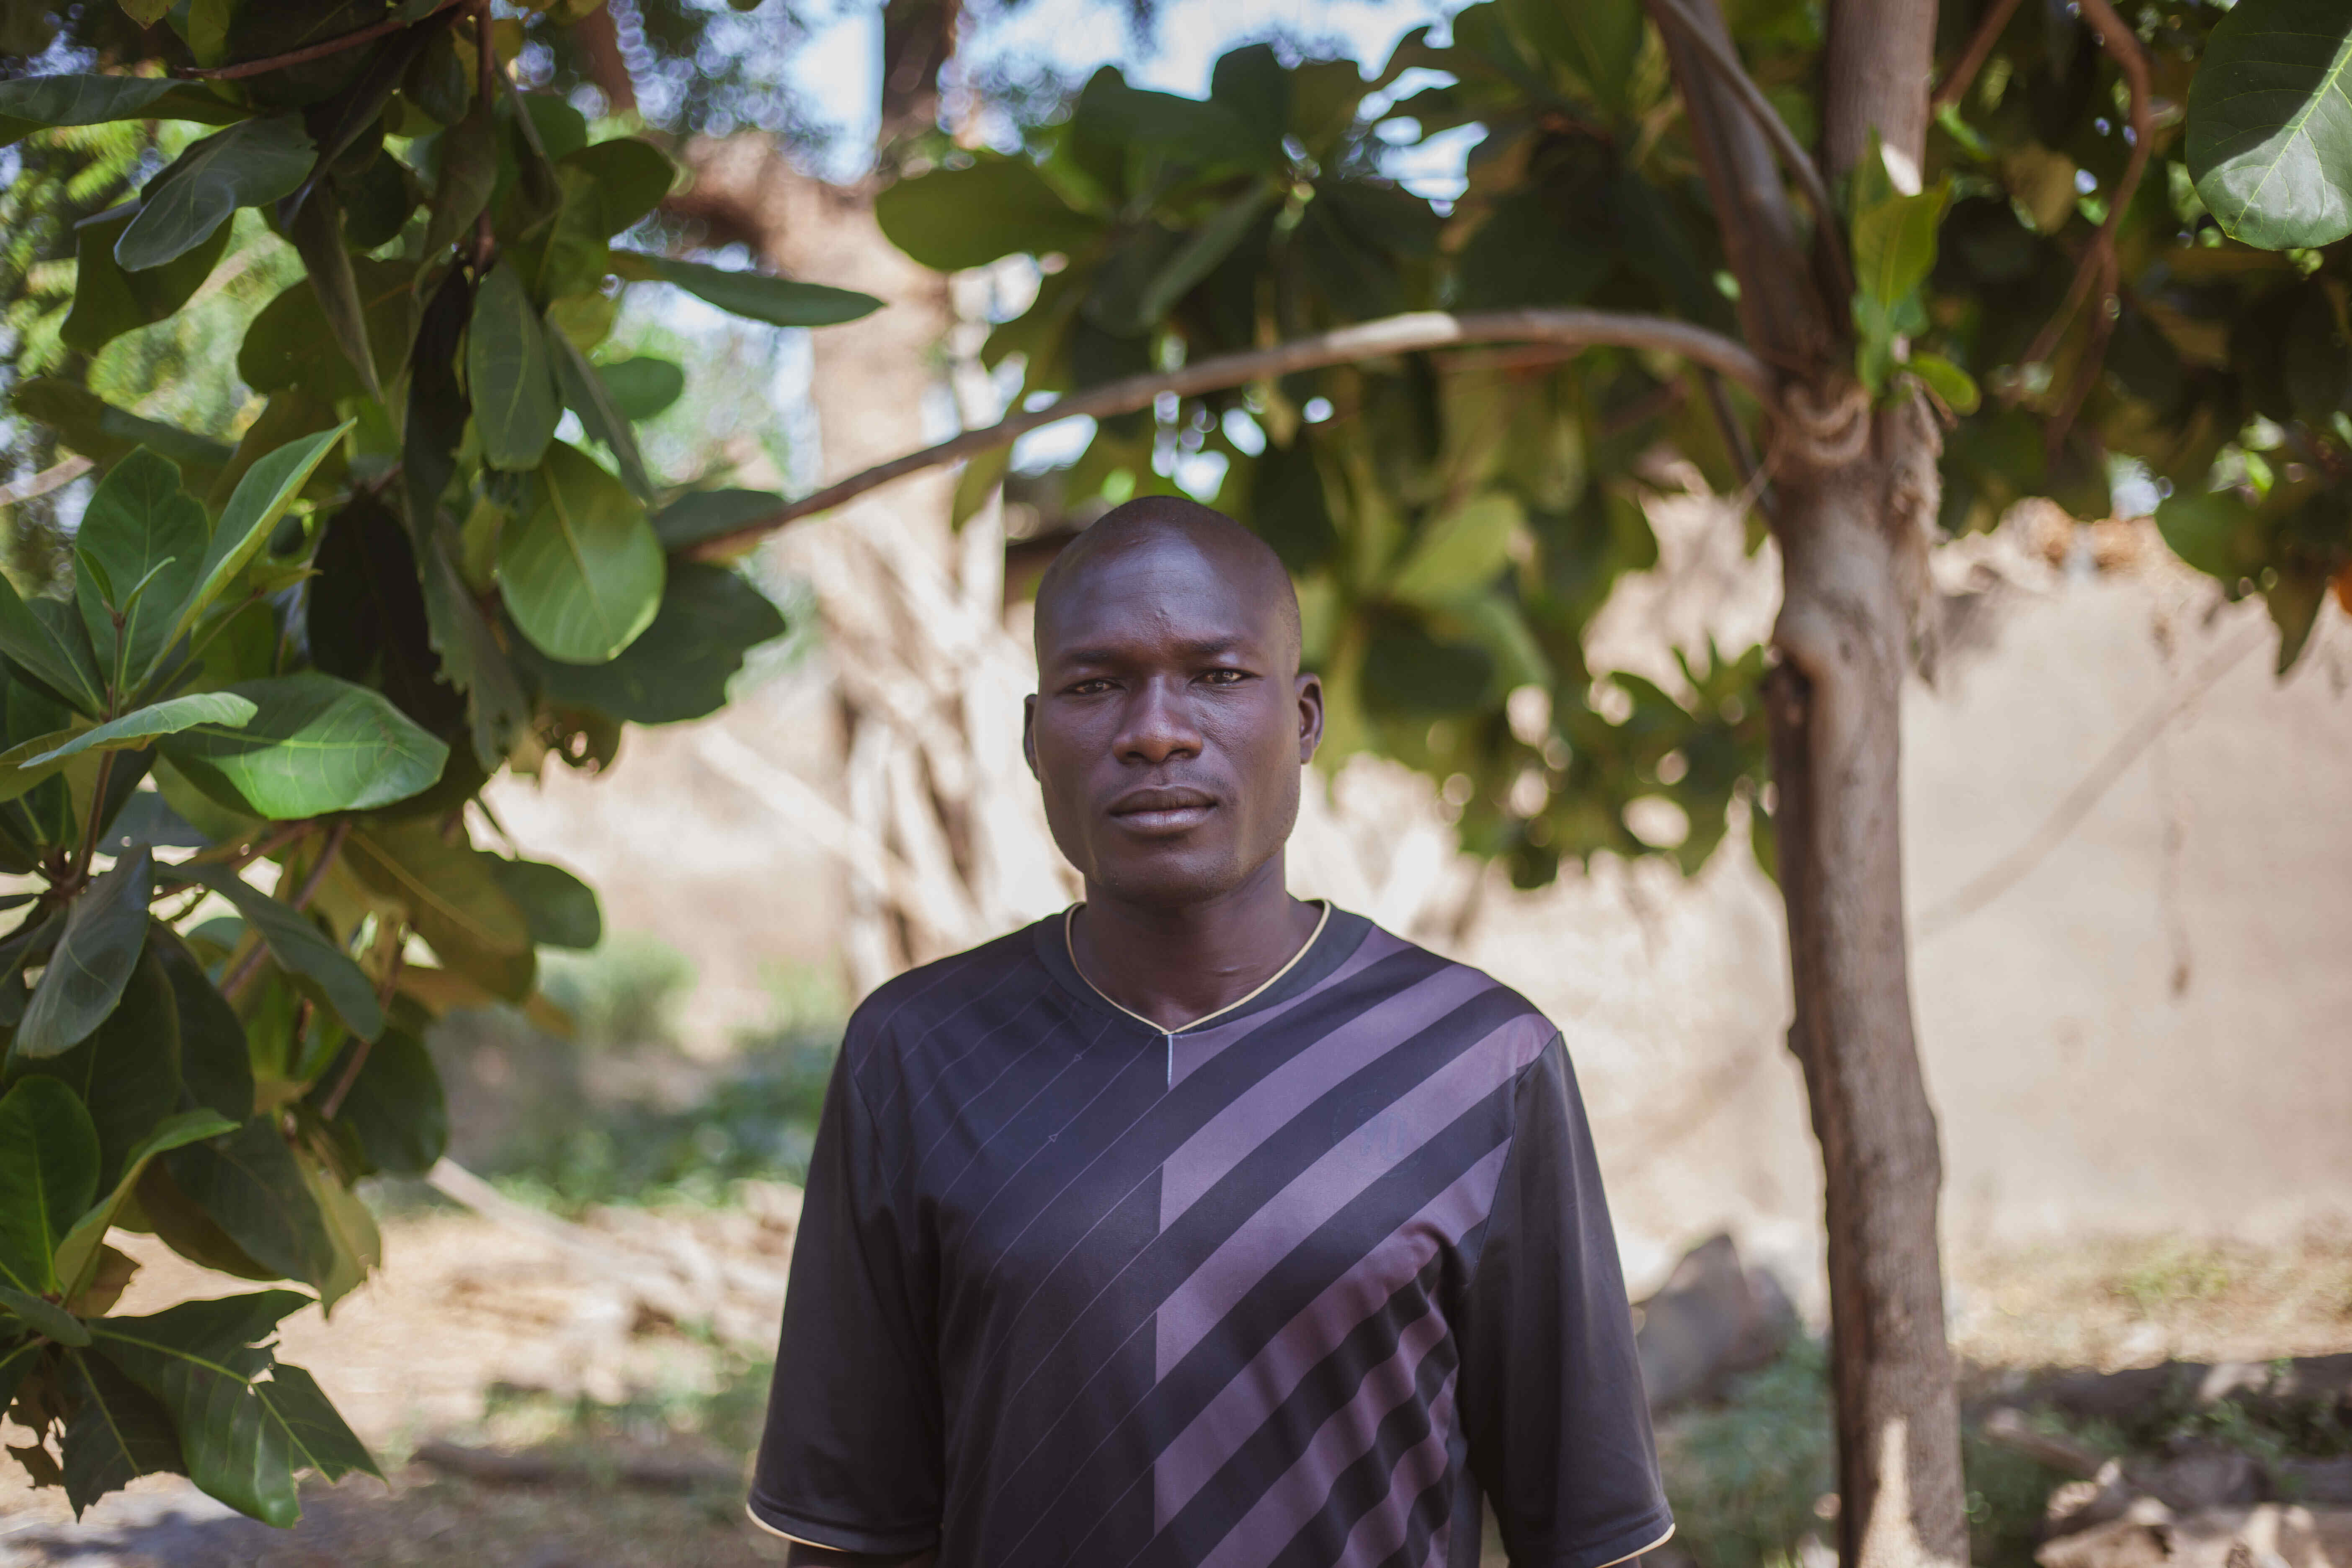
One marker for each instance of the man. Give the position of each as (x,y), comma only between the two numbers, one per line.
(1198,1226)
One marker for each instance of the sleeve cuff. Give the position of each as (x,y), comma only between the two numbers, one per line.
(903,1540)
(1651,1533)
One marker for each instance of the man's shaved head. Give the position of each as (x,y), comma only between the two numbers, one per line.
(1171,719)
(1235,552)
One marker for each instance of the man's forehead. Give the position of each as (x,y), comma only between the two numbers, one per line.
(1162,591)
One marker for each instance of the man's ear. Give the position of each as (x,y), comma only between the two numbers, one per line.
(1029,733)
(1310,717)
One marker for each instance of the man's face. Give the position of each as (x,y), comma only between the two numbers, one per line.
(1170,723)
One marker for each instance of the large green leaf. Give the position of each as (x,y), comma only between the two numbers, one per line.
(204,1360)
(127,1073)
(103,432)
(48,1175)
(33,103)
(252,1185)
(293,345)
(298,948)
(2270,122)
(17,1360)
(453,898)
(1463,551)
(585,394)
(56,654)
(118,1433)
(631,178)
(78,1253)
(315,744)
(104,935)
(561,909)
(395,1107)
(44,1316)
(251,162)
(642,386)
(215,1071)
(509,375)
(581,573)
(260,499)
(1894,233)
(221,709)
(139,546)
(317,231)
(472,656)
(953,218)
(109,302)
(779,301)
(699,515)
(679,668)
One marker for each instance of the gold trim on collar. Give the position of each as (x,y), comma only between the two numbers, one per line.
(1071,946)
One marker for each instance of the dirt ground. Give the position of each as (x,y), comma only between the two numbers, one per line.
(486,1335)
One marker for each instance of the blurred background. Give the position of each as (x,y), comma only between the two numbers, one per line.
(2128,848)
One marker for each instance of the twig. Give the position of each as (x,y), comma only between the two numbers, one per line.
(1955,85)
(2099,262)
(236,861)
(2012,868)
(1409,333)
(390,937)
(485,74)
(317,51)
(327,853)
(53,478)
(1784,142)
(81,873)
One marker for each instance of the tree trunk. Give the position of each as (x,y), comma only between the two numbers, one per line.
(1852,539)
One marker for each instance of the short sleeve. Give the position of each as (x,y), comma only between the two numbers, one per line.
(1551,1396)
(852,1455)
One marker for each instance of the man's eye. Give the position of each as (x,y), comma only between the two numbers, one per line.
(1225,677)
(1088,688)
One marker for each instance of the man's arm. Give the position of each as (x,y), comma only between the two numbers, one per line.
(804,1555)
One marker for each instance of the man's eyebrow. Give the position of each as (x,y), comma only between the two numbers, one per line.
(1107,653)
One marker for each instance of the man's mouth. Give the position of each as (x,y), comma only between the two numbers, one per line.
(1159,811)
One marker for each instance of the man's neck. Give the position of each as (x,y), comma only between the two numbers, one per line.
(1176,966)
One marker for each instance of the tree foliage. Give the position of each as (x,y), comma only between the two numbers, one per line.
(1456,519)
(297,644)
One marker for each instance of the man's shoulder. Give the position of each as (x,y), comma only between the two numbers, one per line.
(914,1005)
(1385,959)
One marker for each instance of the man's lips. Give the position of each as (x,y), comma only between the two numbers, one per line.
(1162,810)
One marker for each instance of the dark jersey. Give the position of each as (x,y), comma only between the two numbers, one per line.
(1297,1285)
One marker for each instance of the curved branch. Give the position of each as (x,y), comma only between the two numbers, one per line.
(317,51)
(1408,333)
(1988,30)
(1775,131)
(2099,262)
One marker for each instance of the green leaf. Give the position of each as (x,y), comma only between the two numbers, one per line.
(103,432)
(466,176)
(953,218)
(561,908)
(78,1253)
(2217,532)
(354,1246)
(58,656)
(317,231)
(224,710)
(16,1363)
(253,1186)
(472,658)
(298,948)
(105,932)
(127,1073)
(1955,387)
(118,1433)
(317,1435)
(582,575)
(1463,551)
(315,744)
(215,1071)
(2269,124)
(642,386)
(249,165)
(508,373)
(453,897)
(141,531)
(48,1175)
(699,515)
(46,1318)
(585,394)
(200,1359)
(1203,251)
(631,178)
(679,668)
(1598,41)
(779,301)
(291,346)
(109,302)
(261,498)
(1893,234)
(34,102)
(395,1107)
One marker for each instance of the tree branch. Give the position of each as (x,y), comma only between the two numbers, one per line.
(1964,71)
(600,46)
(1408,333)
(2099,262)
(1775,131)
(317,51)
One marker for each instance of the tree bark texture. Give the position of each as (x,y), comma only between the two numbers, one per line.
(1852,539)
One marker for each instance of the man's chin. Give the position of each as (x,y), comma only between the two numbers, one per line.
(1167,872)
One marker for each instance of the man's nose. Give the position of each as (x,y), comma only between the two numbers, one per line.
(1158,725)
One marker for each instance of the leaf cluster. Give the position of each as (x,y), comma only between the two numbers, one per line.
(237,745)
